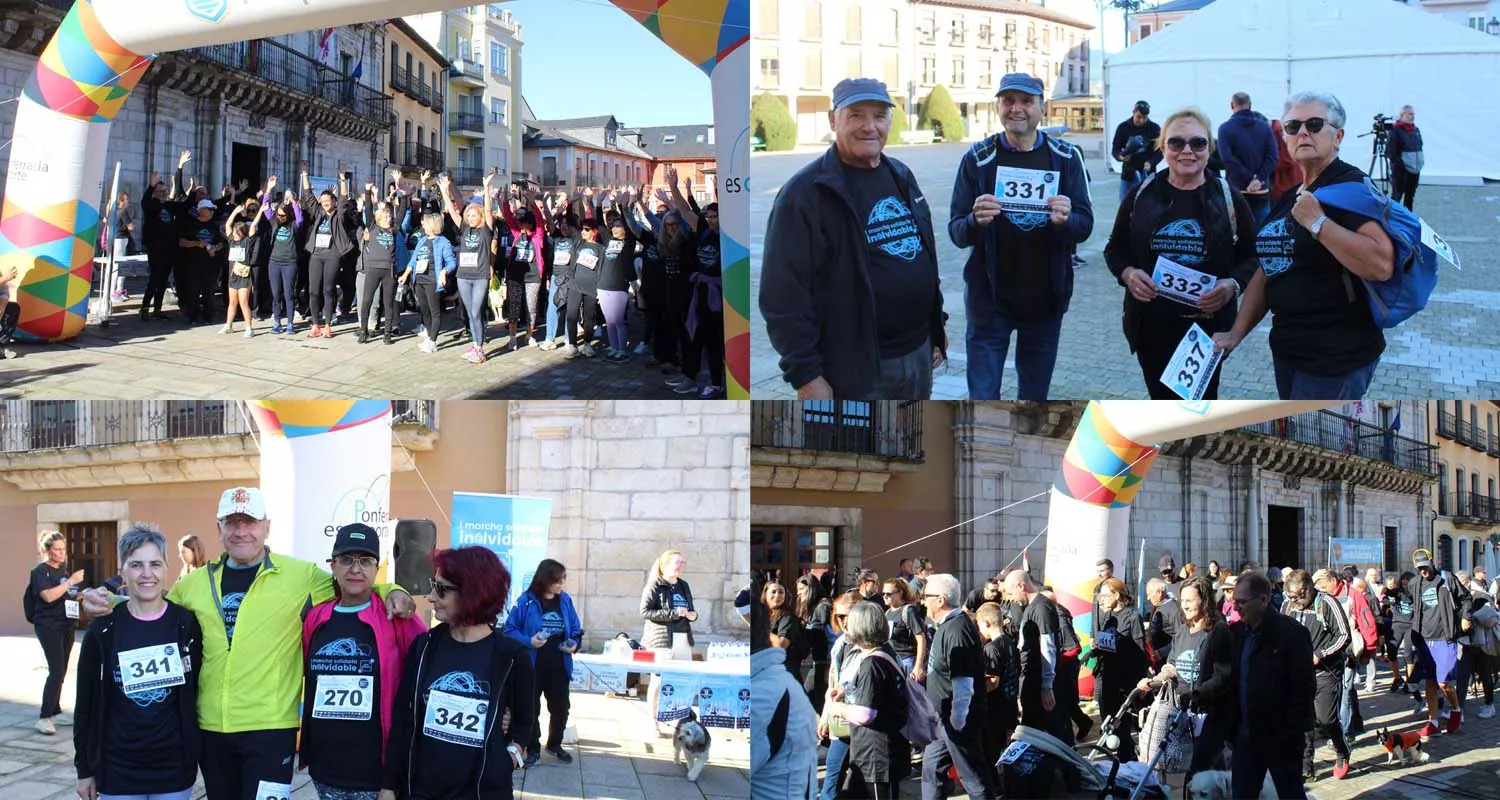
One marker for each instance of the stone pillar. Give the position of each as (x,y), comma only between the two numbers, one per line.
(985,448)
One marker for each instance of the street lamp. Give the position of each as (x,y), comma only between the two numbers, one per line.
(1493,27)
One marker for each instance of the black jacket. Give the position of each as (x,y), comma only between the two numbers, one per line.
(1327,625)
(345,223)
(96,665)
(815,291)
(661,620)
(512,688)
(1279,703)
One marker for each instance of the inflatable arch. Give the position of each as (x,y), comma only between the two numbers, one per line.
(1105,465)
(102,49)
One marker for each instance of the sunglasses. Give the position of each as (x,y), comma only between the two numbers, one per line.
(1198,144)
(1294,126)
(890,594)
(442,589)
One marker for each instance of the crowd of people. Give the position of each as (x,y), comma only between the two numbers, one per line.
(1266,664)
(1238,224)
(254,664)
(618,273)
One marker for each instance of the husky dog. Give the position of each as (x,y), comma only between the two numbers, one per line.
(693,740)
(1401,746)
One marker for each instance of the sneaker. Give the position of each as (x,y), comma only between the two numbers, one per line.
(570,351)
(429,346)
(587,350)
(620,357)
(45,727)
(228,328)
(686,388)
(1084,729)
(678,380)
(8,353)
(532,757)
(670,369)
(537,344)
(63,719)
(249,332)
(277,329)
(547,345)
(1429,730)
(560,754)
(710,393)
(1486,711)
(640,349)
(1340,769)
(1455,719)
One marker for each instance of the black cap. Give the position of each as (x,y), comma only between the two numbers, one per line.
(356,538)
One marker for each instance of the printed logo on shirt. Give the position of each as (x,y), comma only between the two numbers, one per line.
(1182,241)
(342,655)
(1274,246)
(147,698)
(1429,597)
(890,228)
(284,233)
(678,601)
(206,235)
(231,606)
(463,683)
(385,239)
(1187,666)
(552,623)
(708,253)
(1028,221)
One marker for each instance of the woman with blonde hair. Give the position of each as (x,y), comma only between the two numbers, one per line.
(908,637)
(190,549)
(52,609)
(667,608)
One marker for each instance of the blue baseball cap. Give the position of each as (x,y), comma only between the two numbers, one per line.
(1020,82)
(859,90)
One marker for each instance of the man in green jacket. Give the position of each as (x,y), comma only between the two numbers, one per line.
(248,697)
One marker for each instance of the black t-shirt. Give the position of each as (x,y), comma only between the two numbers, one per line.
(450,740)
(198,230)
(1038,621)
(550,655)
(1003,661)
(563,265)
(54,614)
(1024,290)
(975,599)
(903,272)
(619,265)
(343,735)
(144,728)
(284,245)
(473,252)
(955,654)
(879,750)
(589,257)
(707,251)
(1149,132)
(788,627)
(323,227)
(1165,620)
(1179,237)
(523,261)
(380,248)
(235,582)
(424,253)
(1402,608)
(905,625)
(1189,655)
(816,633)
(1321,321)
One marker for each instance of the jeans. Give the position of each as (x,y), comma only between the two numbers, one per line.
(555,316)
(613,304)
(988,340)
(1294,384)
(472,292)
(1349,700)
(1130,181)
(283,279)
(833,768)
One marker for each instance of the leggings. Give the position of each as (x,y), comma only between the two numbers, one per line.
(472,292)
(283,278)
(431,305)
(1474,661)
(382,278)
(322,277)
(707,342)
(57,645)
(185,794)
(161,262)
(580,310)
(614,304)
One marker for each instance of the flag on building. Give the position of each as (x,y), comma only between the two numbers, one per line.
(359,67)
(325,45)
(1396,423)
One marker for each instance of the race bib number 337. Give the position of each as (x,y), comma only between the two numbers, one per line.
(1192,365)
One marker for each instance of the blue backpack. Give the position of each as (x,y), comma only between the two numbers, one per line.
(1394,300)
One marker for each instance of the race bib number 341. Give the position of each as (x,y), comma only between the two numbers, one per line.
(1025,189)
(1192,365)
(454,719)
(147,668)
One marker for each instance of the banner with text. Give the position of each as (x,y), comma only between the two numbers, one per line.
(724,701)
(1356,551)
(515,528)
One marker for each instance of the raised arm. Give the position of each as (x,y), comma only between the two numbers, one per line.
(445,185)
(689,216)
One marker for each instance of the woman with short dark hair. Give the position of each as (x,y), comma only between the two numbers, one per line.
(544,619)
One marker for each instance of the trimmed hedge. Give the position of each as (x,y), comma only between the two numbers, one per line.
(772,122)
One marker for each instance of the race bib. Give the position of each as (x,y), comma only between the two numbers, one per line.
(454,719)
(323,240)
(1193,365)
(1105,641)
(563,257)
(1439,245)
(1013,752)
(344,697)
(468,260)
(588,259)
(70,607)
(1025,189)
(147,668)
(421,266)
(523,252)
(614,247)
(265,790)
(1183,284)
(237,253)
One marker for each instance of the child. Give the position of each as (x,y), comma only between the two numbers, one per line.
(1002,677)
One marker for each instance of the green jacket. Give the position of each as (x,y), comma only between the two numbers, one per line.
(259,686)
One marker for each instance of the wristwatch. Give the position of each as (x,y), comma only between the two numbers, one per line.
(1317,225)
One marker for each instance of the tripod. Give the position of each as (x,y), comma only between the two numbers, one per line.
(1380,168)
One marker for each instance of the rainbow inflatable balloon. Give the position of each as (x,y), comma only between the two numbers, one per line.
(49,223)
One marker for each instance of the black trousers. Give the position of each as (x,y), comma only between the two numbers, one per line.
(1254,756)
(707,344)
(161,262)
(234,764)
(1065,687)
(552,681)
(1403,185)
(10,317)
(580,311)
(385,280)
(348,276)
(431,305)
(1326,700)
(195,287)
(322,277)
(1156,339)
(57,645)
(260,291)
(670,305)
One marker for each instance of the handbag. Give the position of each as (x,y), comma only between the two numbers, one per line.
(240,270)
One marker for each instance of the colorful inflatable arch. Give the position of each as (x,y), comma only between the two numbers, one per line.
(49,223)
(1105,465)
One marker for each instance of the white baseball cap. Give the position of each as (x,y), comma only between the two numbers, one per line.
(208,204)
(246,500)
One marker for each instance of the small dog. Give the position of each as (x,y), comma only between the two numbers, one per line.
(1215,785)
(1401,745)
(692,739)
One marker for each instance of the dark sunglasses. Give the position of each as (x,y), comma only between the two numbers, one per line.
(443,589)
(1197,143)
(1294,126)
(890,594)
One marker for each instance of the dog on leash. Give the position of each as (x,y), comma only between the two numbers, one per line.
(1402,746)
(1215,785)
(691,741)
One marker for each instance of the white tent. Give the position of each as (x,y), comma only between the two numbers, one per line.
(1374,55)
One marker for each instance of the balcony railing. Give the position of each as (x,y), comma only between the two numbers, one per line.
(414,412)
(421,156)
(467,68)
(399,79)
(467,176)
(1447,426)
(437,102)
(1348,435)
(892,429)
(466,121)
(273,61)
(1494,448)
(1476,508)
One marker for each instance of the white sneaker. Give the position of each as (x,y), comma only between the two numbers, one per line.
(62,719)
(45,727)
(1486,711)
(686,387)
(228,328)
(640,349)
(587,350)
(249,332)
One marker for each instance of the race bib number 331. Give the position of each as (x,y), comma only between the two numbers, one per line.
(1025,189)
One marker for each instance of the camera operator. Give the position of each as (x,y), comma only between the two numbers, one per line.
(1137,146)
(1405,152)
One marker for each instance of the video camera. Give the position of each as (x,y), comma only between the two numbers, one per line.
(1381,126)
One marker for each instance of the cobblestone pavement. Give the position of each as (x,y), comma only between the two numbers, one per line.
(616,757)
(132,359)
(1450,350)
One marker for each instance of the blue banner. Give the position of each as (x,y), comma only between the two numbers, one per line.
(678,692)
(724,701)
(1355,551)
(515,528)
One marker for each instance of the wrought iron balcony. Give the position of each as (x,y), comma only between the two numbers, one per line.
(465,123)
(467,176)
(399,79)
(278,64)
(1447,426)
(467,71)
(56,424)
(1353,437)
(1471,508)
(420,156)
(891,429)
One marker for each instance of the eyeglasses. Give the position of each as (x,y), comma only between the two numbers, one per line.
(442,589)
(1314,125)
(890,594)
(1198,144)
(364,562)
(926,596)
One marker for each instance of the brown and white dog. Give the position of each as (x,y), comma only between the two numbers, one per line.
(1402,745)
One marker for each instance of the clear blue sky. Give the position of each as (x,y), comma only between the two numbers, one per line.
(584,58)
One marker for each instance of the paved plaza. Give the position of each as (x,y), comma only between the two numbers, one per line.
(1450,350)
(616,757)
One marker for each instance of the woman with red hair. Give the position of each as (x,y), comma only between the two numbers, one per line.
(460,680)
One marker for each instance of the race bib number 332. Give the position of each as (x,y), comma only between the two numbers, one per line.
(1183,284)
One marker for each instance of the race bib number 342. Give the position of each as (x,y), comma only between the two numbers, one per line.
(454,719)
(1025,189)
(1192,366)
